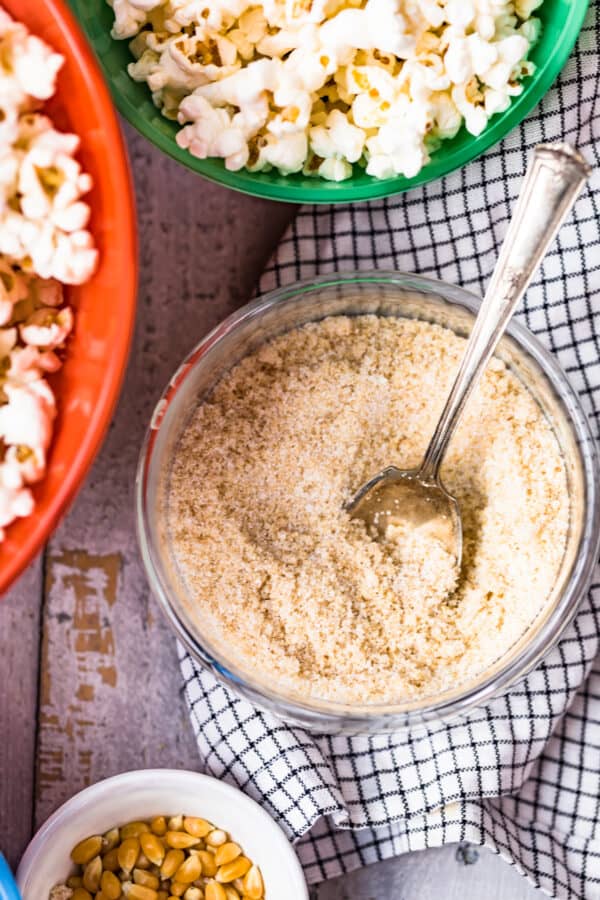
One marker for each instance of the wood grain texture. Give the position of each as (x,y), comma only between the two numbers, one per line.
(109,685)
(110,695)
(432,875)
(19,653)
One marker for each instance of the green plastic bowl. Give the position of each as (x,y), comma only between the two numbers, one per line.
(561,19)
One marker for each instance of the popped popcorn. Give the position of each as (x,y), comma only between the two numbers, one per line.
(42,216)
(320,86)
(44,243)
(131,15)
(337,138)
(28,71)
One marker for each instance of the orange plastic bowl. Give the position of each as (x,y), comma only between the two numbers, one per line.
(88,385)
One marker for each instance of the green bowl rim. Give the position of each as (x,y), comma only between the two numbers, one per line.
(349,192)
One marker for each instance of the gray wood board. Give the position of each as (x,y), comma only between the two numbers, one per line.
(439,874)
(19,651)
(106,696)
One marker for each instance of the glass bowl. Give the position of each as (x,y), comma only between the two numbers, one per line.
(389,294)
(561,23)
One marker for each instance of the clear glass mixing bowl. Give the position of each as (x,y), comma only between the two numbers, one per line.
(383,293)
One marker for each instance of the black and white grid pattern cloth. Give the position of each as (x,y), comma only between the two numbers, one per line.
(521,775)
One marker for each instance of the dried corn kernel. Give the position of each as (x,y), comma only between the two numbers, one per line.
(216,838)
(209,866)
(110,860)
(227,852)
(128,853)
(74,881)
(171,863)
(215,891)
(153,848)
(175,823)
(110,839)
(92,875)
(80,893)
(180,840)
(193,893)
(233,870)
(141,876)
(134,829)
(189,870)
(158,825)
(138,891)
(253,884)
(197,827)
(86,850)
(110,886)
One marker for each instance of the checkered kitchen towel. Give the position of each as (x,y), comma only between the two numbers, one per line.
(521,775)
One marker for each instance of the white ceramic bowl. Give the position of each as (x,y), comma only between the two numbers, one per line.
(150,792)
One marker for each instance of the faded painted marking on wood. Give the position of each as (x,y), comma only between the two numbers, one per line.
(84,588)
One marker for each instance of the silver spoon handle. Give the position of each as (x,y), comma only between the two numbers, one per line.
(551,185)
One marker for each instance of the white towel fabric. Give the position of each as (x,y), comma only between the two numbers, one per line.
(521,775)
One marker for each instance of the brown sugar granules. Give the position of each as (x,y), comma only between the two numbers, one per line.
(288,586)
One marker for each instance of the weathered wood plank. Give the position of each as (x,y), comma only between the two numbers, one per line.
(111,690)
(432,875)
(19,653)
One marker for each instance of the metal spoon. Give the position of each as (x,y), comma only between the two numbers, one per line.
(416,497)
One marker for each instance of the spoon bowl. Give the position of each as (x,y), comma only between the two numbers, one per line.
(396,500)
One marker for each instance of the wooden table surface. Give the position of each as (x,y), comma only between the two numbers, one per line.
(89,682)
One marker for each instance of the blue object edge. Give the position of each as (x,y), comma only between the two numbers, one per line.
(8,885)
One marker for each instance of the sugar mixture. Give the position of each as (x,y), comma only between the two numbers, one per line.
(293,590)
